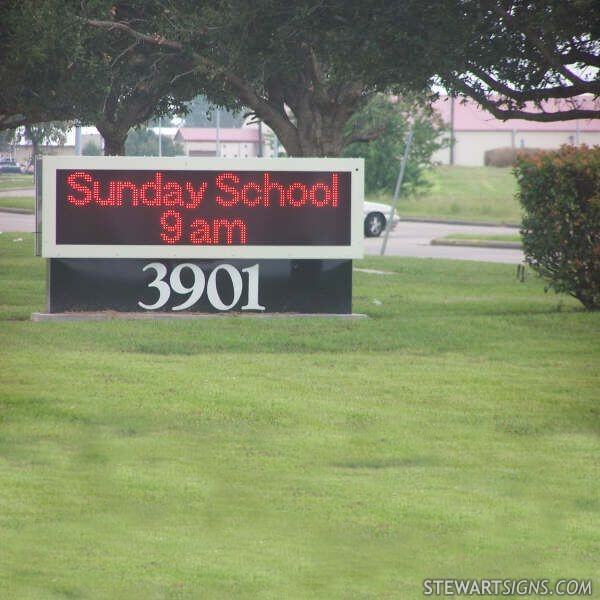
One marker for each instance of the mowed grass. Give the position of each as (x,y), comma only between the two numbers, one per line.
(21,202)
(14,181)
(475,194)
(454,433)
(483,238)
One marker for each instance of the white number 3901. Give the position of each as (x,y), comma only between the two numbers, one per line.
(199,284)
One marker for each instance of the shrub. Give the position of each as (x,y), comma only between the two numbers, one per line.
(389,122)
(505,157)
(560,194)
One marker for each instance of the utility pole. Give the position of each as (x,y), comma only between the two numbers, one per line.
(403,162)
(452,130)
(78,140)
(218,146)
(160,136)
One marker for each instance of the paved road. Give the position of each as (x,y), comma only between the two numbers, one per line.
(408,239)
(14,193)
(16,222)
(413,239)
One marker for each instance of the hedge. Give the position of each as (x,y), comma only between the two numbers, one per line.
(560,195)
(505,157)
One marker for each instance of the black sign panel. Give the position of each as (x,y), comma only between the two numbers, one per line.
(169,285)
(202,208)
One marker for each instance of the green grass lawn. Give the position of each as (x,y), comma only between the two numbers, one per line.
(23,202)
(475,194)
(14,181)
(476,237)
(454,433)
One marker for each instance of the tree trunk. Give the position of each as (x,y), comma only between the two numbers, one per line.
(318,130)
(114,138)
(32,133)
(35,149)
(320,114)
(321,130)
(114,145)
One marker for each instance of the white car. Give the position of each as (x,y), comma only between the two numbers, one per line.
(375,216)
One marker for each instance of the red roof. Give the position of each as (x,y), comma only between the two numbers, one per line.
(469,116)
(209,134)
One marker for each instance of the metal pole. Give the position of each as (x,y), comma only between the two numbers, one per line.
(452,130)
(38,205)
(276,147)
(160,136)
(218,147)
(403,162)
(78,140)
(260,140)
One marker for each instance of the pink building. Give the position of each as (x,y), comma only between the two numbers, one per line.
(476,130)
(243,142)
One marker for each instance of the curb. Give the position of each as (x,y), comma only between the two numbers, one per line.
(17,211)
(458,222)
(478,244)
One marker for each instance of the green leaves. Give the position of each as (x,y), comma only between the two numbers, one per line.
(387,123)
(560,192)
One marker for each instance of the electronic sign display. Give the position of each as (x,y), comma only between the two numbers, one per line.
(125,207)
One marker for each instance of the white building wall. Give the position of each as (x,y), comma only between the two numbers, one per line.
(239,149)
(547,140)
(470,146)
(589,138)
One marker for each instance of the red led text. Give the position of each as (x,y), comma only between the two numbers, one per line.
(296,194)
(201,232)
(205,208)
(155,192)
(229,192)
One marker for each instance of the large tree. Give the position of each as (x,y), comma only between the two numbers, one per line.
(304,67)
(55,66)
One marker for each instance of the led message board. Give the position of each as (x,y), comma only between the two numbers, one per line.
(125,207)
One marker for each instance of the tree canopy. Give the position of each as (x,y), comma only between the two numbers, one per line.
(304,68)
(42,74)
(513,56)
(57,66)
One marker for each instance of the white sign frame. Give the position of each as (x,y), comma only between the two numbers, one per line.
(50,249)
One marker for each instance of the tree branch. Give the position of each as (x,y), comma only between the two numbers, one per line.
(316,76)
(581,56)
(534,95)
(155,39)
(536,41)
(363,136)
(495,108)
(274,118)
